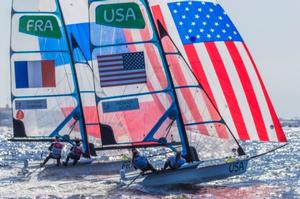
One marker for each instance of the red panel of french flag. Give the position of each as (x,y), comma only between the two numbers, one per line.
(35,74)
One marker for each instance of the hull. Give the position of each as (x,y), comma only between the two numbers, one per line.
(83,168)
(196,174)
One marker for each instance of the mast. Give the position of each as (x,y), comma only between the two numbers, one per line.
(77,89)
(10,69)
(168,71)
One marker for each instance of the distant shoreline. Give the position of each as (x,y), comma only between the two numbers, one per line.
(6,120)
(5,117)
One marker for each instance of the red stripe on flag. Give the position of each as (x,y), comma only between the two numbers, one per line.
(180,78)
(279,132)
(249,91)
(200,74)
(108,60)
(227,90)
(48,73)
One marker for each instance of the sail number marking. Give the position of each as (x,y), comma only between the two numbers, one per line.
(41,25)
(121,15)
(236,167)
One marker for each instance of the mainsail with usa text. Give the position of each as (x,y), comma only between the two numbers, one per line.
(131,81)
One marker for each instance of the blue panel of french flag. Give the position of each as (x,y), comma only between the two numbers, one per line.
(35,74)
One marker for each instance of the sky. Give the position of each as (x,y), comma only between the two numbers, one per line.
(270,28)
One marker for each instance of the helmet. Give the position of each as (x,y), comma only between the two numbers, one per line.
(178,154)
(20,115)
(134,151)
(57,139)
(77,141)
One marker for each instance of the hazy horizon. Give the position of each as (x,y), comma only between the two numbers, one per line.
(268,27)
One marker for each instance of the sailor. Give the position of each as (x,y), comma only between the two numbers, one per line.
(233,157)
(174,162)
(141,162)
(55,151)
(18,125)
(75,153)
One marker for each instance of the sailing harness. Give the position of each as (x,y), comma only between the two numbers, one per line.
(140,162)
(76,151)
(56,149)
(174,164)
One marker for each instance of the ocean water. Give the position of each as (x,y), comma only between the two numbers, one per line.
(276,175)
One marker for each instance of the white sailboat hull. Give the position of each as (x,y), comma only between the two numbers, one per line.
(195,174)
(83,168)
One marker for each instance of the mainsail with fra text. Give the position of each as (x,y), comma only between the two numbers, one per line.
(42,73)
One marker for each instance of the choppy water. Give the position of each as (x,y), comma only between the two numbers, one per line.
(276,175)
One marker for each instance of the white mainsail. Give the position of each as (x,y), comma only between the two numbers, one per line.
(42,74)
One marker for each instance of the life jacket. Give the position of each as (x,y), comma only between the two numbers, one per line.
(56,149)
(140,162)
(76,151)
(176,164)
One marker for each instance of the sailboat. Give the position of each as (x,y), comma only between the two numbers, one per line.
(48,87)
(139,74)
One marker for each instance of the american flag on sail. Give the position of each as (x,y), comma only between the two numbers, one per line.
(114,40)
(122,69)
(222,63)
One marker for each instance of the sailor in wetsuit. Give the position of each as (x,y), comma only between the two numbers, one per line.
(141,162)
(174,162)
(55,151)
(75,153)
(18,125)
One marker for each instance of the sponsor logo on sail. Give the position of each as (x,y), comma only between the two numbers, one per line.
(31,104)
(120,105)
(122,15)
(42,26)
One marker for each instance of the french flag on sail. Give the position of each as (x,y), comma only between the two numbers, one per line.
(35,74)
